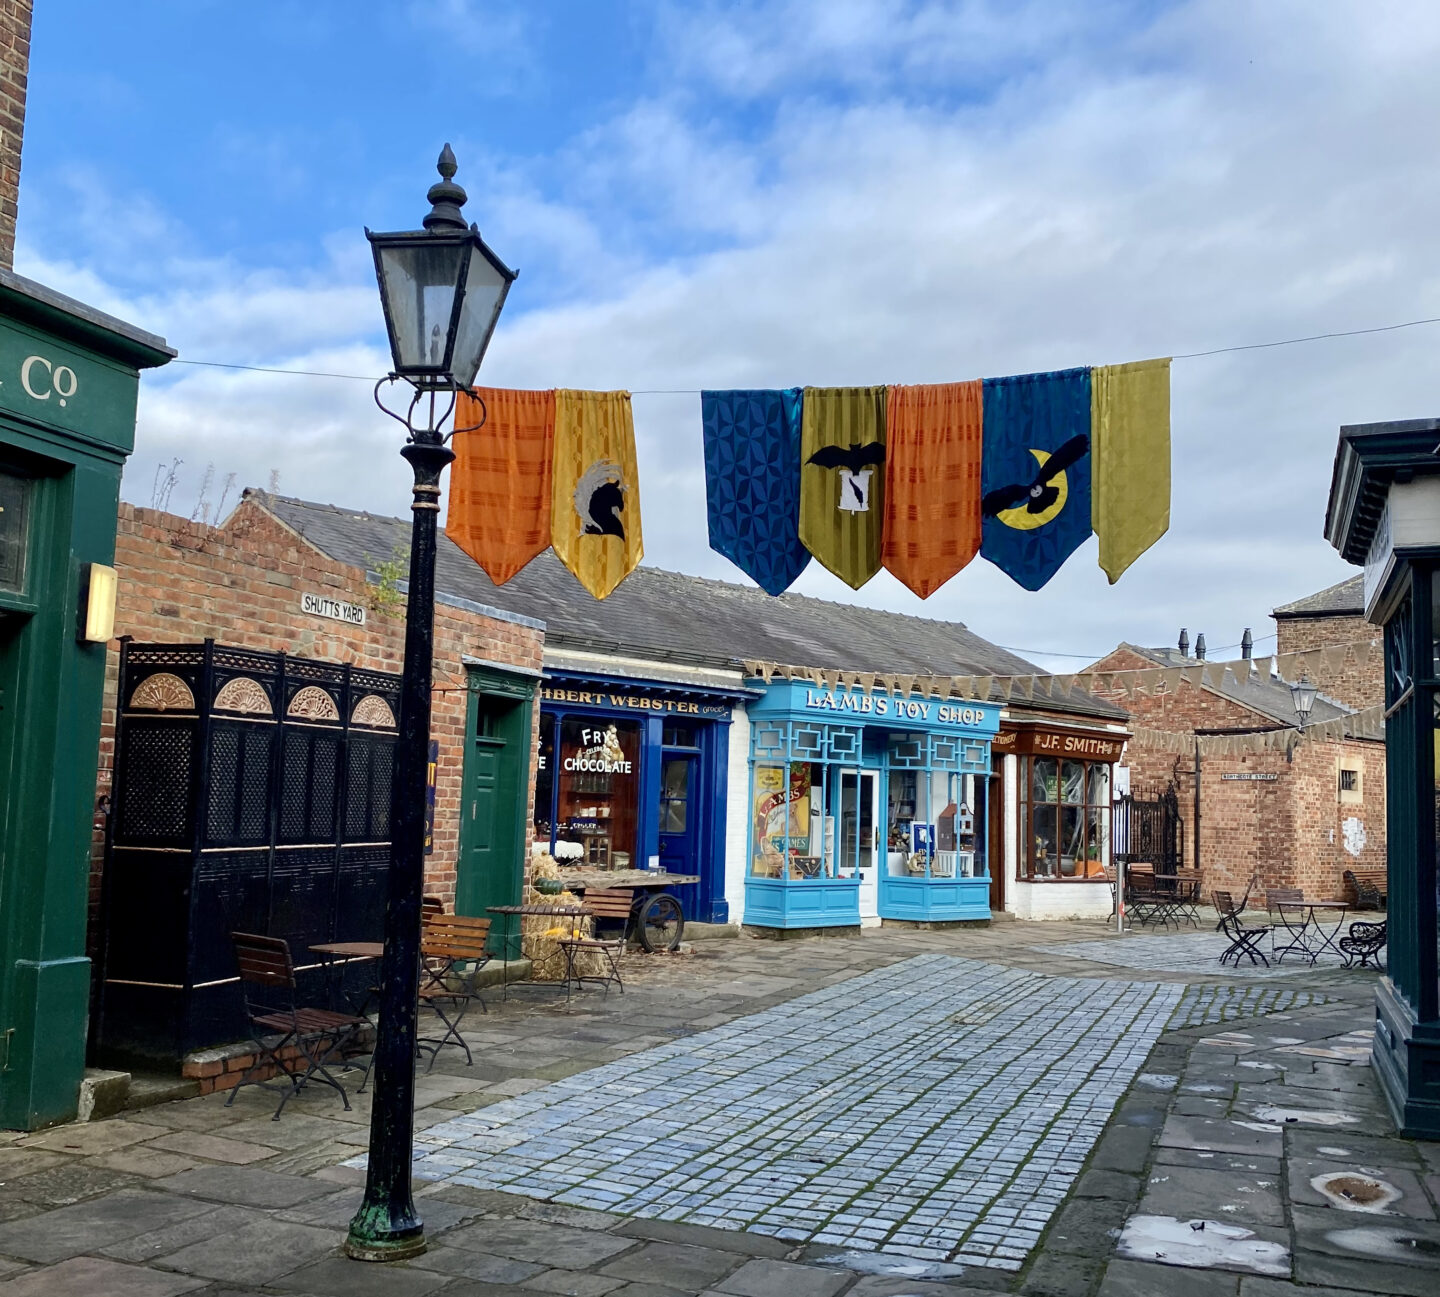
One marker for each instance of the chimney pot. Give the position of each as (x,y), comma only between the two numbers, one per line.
(1247,644)
(1200,647)
(1184,642)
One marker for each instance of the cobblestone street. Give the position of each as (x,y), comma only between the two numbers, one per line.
(903,1113)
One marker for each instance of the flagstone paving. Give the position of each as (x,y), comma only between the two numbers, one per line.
(1249,1155)
(1191,952)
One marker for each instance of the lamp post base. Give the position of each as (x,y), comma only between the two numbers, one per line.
(382,1246)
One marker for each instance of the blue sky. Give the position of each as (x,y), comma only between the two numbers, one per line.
(769,193)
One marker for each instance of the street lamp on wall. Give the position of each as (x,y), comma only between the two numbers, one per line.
(442,290)
(1302,694)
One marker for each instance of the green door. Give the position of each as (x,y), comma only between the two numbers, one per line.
(496,786)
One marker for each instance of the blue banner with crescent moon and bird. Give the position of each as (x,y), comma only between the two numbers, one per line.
(1035,472)
(752,482)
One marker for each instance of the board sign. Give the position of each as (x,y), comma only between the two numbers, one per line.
(320,605)
(1082,745)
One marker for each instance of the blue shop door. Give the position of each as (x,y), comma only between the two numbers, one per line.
(679,826)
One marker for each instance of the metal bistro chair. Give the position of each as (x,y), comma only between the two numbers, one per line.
(453,950)
(1276,900)
(1243,940)
(1364,944)
(603,903)
(278,1021)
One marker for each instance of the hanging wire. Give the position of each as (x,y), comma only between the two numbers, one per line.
(695,391)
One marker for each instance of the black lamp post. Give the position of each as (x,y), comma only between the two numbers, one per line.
(1302,694)
(442,290)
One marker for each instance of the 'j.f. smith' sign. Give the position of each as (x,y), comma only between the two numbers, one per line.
(319,605)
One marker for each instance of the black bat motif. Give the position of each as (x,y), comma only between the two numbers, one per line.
(855,457)
(1037,495)
(606,502)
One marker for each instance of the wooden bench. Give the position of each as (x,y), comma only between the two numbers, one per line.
(1365,889)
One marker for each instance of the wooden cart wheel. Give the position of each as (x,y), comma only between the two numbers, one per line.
(660,922)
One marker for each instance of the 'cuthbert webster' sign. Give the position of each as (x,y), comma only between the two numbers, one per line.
(632,700)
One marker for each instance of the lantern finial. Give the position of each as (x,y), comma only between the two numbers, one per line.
(446,197)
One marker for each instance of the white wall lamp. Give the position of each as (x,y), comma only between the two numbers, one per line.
(99,585)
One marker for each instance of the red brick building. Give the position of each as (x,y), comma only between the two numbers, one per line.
(1296,817)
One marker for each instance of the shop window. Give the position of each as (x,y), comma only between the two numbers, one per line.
(14,531)
(545,779)
(597,791)
(790,837)
(935,821)
(1351,784)
(1066,806)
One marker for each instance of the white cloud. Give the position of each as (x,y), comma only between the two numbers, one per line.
(1224,173)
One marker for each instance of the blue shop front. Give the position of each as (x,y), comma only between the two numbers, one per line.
(632,775)
(866,806)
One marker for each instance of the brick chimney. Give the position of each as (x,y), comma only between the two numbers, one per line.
(14,73)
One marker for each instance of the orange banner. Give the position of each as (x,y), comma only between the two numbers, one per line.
(932,489)
(500,482)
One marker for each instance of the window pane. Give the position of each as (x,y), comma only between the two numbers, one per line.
(681,734)
(1099,785)
(767,851)
(1097,839)
(14,531)
(674,794)
(599,791)
(1045,858)
(1071,839)
(1072,780)
(545,779)
(1044,784)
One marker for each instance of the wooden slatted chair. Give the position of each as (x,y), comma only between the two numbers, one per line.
(453,950)
(1243,940)
(604,903)
(278,1021)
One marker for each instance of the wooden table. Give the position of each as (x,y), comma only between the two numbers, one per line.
(507,912)
(648,879)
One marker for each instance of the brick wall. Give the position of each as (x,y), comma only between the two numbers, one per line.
(183,582)
(1289,830)
(1360,681)
(14,73)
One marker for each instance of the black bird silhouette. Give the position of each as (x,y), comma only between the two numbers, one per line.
(606,502)
(1037,494)
(854,457)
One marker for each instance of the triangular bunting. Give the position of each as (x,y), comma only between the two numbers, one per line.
(842,479)
(595,494)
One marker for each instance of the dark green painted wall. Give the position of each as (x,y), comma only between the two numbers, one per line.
(52,693)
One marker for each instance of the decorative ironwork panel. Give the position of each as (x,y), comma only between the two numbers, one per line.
(162,692)
(246,695)
(313,704)
(374,711)
(153,778)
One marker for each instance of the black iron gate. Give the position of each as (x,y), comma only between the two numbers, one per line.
(1149,832)
(251,793)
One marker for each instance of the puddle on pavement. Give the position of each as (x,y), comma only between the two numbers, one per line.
(1158,1080)
(1260,1067)
(1303,1116)
(1351,1191)
(1201,1244)
(1330,1151)
(1198,1087)
(1388,1243)
(897,1267)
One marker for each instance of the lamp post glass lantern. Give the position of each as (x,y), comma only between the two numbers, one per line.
(1302,694)
(442,290)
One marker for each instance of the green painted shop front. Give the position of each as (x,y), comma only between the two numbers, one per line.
(69,379)
(499,745)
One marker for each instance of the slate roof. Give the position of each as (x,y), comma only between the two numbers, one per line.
(1268,695)
(1345,599)
(683,618)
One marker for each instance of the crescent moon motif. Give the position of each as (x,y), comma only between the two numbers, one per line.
(1021,518)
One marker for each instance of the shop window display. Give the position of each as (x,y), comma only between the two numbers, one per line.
(589,779)
(935,824)
(1066,806)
